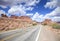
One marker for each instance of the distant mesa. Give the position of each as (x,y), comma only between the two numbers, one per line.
(58,22)
(47,22)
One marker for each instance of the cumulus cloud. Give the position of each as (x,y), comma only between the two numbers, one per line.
(53,4)
(3,6)
(19,10)
(16,10)
(56,19)
(29,8)
(32,2)
(29,14)
(2,12)
(19,6)
(47,16)
(54,15)
(15,2)
(40,18)
(37,17)
(56,12)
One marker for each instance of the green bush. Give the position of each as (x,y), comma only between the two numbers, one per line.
(56,26)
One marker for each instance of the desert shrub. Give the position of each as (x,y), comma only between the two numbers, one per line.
(34,24)
(56,26)
(44,24)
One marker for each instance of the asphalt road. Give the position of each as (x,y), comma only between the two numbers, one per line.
(47,35)
(27,34)
(34,33)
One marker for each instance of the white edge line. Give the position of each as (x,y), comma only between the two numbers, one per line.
(38,34)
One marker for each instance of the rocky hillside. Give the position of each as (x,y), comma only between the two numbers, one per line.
(14,22)
(47,22)
(22,18)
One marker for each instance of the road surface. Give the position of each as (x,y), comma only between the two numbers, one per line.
(34,33)
(20,34)
(47,35)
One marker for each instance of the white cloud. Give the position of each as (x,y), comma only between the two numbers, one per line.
(17,6)
(37,17)
(15,2)
(30,14)
(32,2)
(40,18)
(47,16)
(55,14)
(16,10)
(2,12)
(3,6)
(56,19)
(21,9)
(53,4)
(29,8)
(51,15)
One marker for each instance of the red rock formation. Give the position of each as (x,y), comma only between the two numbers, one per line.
(13,16)
(3,15)
(22,18)
(47,22)
(16,22)
(25,18)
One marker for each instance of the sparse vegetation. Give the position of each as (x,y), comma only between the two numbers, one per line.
(56,26)
(44,24)
(34,24)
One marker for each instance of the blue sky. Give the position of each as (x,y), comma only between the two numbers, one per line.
(41,9)
(37,9)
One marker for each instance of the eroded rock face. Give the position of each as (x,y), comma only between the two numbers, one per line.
(25,18)
(13,16)
(47,22)
(14,22)
(22,18)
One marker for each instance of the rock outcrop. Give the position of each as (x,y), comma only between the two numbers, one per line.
(47,22)
(14,22)
(3,15)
